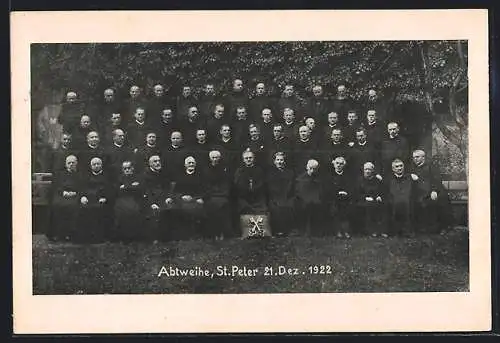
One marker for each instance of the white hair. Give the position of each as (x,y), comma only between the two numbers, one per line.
(214,153)
(312,163)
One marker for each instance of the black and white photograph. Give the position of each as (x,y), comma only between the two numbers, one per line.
(224,167)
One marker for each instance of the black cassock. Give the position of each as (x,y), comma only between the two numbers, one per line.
(303,151)
(250,187)
(339,203)
(258,147)
(128,194)
(70,116)
(281,198)
(258,103)
(189,213)
(279,145)
(326,137)
(79,140)
(240,130)
(291,130)
(318,108)
(214,125)
(200,152)
(430,215)
(157,188)
(58,159)
(143,154)
(360,154)
(136,133)
(116,155)
(332,150)
(231,155)
(94,217)
(86,154)
(218,207)
(392,148)
(173,160)
(310,202)
(370,215)
(401,193)
(376,133)
(64,214)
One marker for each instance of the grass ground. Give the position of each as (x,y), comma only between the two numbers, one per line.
(361,264)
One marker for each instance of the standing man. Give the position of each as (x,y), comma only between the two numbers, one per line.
(132,103)
(58,156)
(107,107)
(138,129)
(290,100)
(341,190)
(318,105)
(241,124)
(229,148)
(374,128)
(184,102)
(363,151)
(394,146)
(215,120)
(156,105)
(193,123)
(333,123)
(432,210)
(342,104)
(118,152)
(71,112)
(236,98)
(209,100)
(257,145)
(260,102)
(175,154)
(280,182)
(304,149)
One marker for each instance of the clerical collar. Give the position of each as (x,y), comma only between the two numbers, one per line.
(304,140)
(332,125)
(201,143)
(393,137)
(190,172)
(242,119)
(150,146)
(341,172)
(420,165)
(117,145)
(64,147)
(267,122)
(92,146)
(254,139)
(192,120)
(225,140)
(280,168)
(139,122)
(398,176)
(372,123)
(336,143)
(289,123)
(362,144)
(175,147)
(166,122)
(278,139)
(99,172)
(154,170)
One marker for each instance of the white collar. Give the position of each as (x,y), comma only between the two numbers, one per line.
(116,145)
(98,173)
(398,176)
(150,146)
(190,172)
(225,140)
(341,173)
(362,144)
(140,123)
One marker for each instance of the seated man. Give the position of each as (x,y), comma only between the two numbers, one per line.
(310,200)
(280,181)
(189,201)
(370,203)
(218,207)
(94,212)
(157,188)
(128,205)
(432,210)
(341,192)
(401,194)
(65,203)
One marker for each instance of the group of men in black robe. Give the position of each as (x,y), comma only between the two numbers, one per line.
(175,169)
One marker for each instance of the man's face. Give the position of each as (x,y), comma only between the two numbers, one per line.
(96,165)
(225,131)
(176,138)
(339,164)
(134,92)
(352,117)
(288,92)
(219,111)
(119,137)
(393,130)
(311,168)
(341,90)
(418,158)
(288,116)
(93,138)
(85,122)
(371,117)
(192,113)
(398,168)
(361,136)
(214,159)
(317,91)
(167,115)
(109,95)
(140,115)
(372,94)
(155,163)
(310,123)
(304,133)
(158,90)
(190,164)
(248,159)
(336,136)
(277,132)
(333,118)
(127,168)
(66,140)
(209,89)
(186,91)
(116,119)
(254,132)
(279,161)
(201,135)
(241,114)
(266,115)
(151,138)
(71,97)
(238,85)
(260,89)
(71,163)
(367,171)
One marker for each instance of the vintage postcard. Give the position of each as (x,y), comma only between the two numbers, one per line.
(250,171)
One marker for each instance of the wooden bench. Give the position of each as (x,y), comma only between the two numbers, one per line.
(459,199)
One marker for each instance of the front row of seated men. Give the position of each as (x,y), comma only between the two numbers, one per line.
(206,201)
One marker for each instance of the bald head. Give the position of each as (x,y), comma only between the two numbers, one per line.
(71,162)
(71,97)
